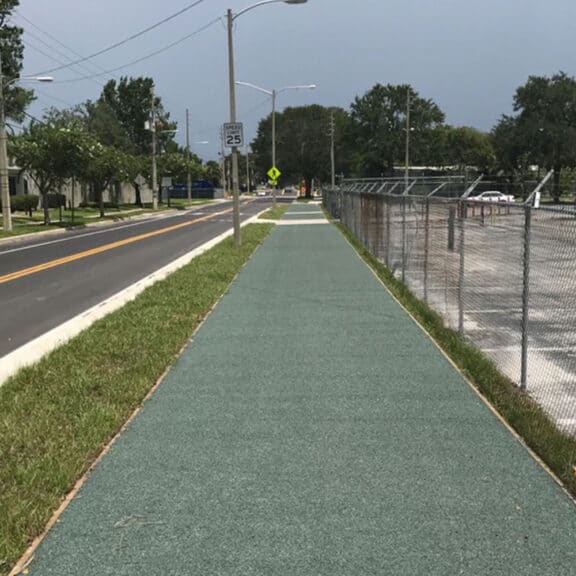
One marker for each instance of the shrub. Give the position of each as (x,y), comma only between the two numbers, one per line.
(24,203)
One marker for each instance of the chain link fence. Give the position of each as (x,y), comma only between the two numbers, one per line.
(503,274)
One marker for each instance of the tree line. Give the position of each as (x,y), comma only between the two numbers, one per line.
(105,141)
(370,136)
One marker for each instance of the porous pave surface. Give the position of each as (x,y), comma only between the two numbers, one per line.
(312,428)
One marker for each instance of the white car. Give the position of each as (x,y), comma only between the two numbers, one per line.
(493,196)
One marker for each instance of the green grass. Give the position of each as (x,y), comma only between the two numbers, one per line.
(28,229)
(185,203)
(56,416)
(274,213)
(555,448)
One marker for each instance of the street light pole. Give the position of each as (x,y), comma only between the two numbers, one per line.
(274,93)
(230,21)
(274,187)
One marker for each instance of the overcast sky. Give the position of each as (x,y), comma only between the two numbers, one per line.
(469,56)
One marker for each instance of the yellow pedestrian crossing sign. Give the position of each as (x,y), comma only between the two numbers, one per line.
(274,173)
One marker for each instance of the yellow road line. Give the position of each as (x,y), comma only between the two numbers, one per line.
(79,255)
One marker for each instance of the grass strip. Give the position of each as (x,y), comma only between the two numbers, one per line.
(274,213)
(57,416)
(556,448)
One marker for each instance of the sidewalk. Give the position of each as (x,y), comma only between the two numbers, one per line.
(311,428)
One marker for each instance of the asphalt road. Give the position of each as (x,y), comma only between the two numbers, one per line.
(47,281)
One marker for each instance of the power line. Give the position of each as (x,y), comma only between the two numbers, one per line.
(52,37)
(141,59)
(126,40)
(28,44)
(52,97)
(81,68)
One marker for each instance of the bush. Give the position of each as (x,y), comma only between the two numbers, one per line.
(55,200)
(24,203)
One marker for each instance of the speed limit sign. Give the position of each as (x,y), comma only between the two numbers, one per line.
(233,135)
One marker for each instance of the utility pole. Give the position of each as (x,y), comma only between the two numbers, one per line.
(332,156)
(248,169)
(274,142)
(223,163)
(154,166)
(235,190)
(407,160)
(4,180)
(188,175)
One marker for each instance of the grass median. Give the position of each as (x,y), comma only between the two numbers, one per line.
(538,430)
(57,416)
(274,213)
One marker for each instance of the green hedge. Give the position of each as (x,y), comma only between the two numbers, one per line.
(24,202)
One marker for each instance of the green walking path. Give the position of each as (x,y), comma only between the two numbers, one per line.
(311,428)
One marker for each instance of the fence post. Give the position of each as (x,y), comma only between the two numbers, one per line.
(461,276)
(526,296)
(388,234)
(451,220)
(403,239)
(426,245)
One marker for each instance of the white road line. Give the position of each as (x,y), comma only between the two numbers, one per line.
(69,238)
(300,222)
(530,349)
(34,350)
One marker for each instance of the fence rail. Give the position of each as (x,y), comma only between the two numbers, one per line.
(502,274)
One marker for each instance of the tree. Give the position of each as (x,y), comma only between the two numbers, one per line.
(103,166)
(176,165)
(466,146)
(543,132)
(130,101)
(302,143)
(510,151)
(379,127)
(213,173)
(51,154)
(16,98)
(101,120)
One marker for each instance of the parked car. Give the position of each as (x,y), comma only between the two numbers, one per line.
(493,196)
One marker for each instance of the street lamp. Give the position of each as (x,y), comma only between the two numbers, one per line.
(274,93)
(4,177)
(235,192)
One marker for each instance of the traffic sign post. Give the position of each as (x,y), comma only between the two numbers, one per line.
(233,135)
